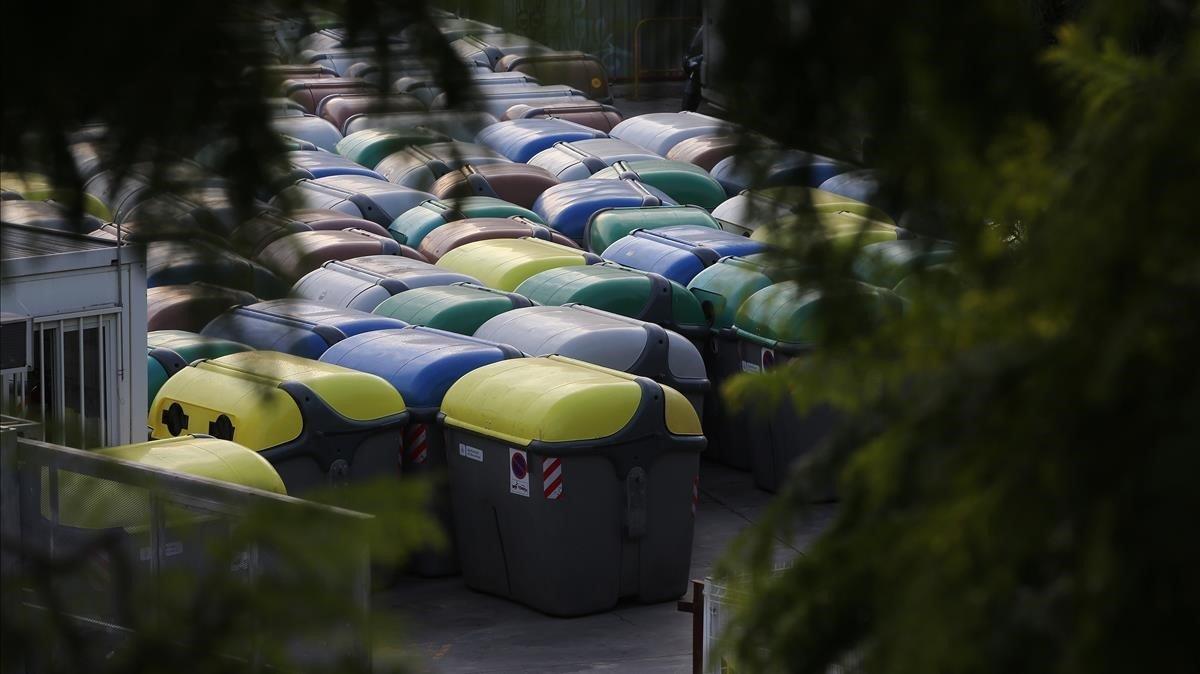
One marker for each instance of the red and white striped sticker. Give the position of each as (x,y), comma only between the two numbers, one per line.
(416,442)
(552,482)
(695,494)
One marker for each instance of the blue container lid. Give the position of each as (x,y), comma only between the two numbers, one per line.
(321,164)
(299,327)
(567,206)
(520,139)
(679,252)
(421,363)
(789,168)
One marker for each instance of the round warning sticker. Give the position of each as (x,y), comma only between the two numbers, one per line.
(519,467)
(596,83)
(768,359)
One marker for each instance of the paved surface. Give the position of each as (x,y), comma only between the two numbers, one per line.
(451,628)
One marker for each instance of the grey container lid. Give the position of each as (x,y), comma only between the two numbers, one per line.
(602,338)
(363,283)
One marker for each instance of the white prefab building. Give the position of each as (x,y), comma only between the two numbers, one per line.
(74,335)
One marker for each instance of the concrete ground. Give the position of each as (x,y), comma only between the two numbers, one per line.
(450,628)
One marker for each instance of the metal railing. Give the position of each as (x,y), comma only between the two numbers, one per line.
(83,533)
(675,71)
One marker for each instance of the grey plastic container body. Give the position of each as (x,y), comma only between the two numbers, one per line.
(607,339)
(579,554)
(582,158)
(779,437)
(498,99)
(364,282)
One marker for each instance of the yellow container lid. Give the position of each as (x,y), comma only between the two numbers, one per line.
(95,503)
(504,263)
(555,399)
(245,387)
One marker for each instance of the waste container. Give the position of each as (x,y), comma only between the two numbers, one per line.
(777,324)
(519,184)
(461,125)
(310,92)
(294,326)
(255,234)
(683,182)
(169,351)
(861,185)
(485,50)
(370,146)
(295,255)
(38,187)
(842,229)
(459,308)
(572,484)
(571,68)
(624,291)
(661,131)
(579,159)
(597,116)
(772,169)
(339,108)
(421,364)
(454,28)
(320,164)
(461,232)
(498,99)
(504,263)
(190,306)
(721,289)
(318,424)
(419,166)
(180,262)
(48,215)
(426,87)
(567,207)
(364,282)
(887,263)
(603,338)
(379,201)
(609,225)
(521,139)
(417,222)
(679,252)
(705,151)
(752,209)
(308,128)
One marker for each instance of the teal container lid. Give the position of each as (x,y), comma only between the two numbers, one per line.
(413,225)
(369,146)
(459,308)
(887,263)
(788,316)
(723,287)
(620,290)
(684,182)
(607,226)
(156,376)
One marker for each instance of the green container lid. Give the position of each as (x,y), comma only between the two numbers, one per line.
(369,146)
(605,227)
(887,263)
(621,290)
(169,351)
(460,308)
(684,182)
(723,287)
(413,225)
(787,316)
(38,187)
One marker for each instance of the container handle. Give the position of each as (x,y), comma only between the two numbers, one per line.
(591,162)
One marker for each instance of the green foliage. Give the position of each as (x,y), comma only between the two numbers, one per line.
(1017,460)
